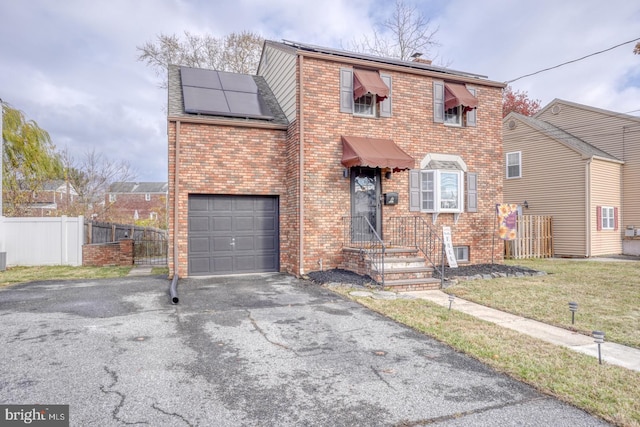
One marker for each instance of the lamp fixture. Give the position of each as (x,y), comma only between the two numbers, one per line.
(525,204)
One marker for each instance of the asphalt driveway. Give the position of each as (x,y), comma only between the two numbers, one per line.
(263,350)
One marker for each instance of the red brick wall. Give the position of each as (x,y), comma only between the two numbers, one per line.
(327,196)
(218,159)
(228,160)
(107,254)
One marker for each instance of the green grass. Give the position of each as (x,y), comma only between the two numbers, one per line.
(607,391)
(607,293)
(157,271)
(13,275)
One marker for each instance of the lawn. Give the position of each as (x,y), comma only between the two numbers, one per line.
(13,275)
(607,293)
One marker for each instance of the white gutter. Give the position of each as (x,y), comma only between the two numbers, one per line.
(587,180)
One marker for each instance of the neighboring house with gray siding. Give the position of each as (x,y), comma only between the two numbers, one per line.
(577,164)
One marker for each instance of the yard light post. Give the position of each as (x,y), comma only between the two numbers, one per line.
(451,298)
(573,306)
(599,339)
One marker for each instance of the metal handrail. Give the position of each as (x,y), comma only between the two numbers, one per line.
(415,231)
(360,234)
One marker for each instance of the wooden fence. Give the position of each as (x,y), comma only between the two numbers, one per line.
(534,238)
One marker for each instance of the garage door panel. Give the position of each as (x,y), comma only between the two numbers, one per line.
(199,224)
(221,203)
(199,265)
(198,204)
(266,223)
(222,244)
(265,205)
(245,223)
(223,223)
(199,245)
(245,243)
(244,204)
(231,234)
(223,264)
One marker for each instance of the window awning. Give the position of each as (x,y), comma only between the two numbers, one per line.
(367,81)
(374,153)
(457,94)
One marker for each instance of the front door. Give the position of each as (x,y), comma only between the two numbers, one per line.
(365,203)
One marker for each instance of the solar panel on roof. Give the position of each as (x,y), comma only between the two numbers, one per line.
(237,82)
(220,93)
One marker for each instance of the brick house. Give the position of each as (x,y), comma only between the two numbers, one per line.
(326,157)
(54,198)
(128,202)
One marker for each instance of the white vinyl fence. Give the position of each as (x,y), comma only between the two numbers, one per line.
(43,241)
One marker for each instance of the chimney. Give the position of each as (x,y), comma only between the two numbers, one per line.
(416,58)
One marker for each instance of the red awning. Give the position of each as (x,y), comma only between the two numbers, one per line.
(374,153)
(366,81)
(457,94)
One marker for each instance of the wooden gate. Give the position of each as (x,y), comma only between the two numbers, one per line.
(534,238)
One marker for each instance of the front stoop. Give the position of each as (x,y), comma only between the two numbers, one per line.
(406,270)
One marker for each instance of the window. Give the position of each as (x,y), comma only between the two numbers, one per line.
(153,215)
(454,104)
(453,116)
(365,93)
(147,197)
(606,218)
(365,105)
(441,191)
(112,198)
(514,163)
(462,253)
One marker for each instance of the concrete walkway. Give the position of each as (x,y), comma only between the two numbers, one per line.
(612,353)
(140,270)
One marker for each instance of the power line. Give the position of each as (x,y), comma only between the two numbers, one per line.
(572,61)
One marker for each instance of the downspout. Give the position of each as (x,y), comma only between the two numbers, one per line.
(587,179)
(173,290)
(301,179)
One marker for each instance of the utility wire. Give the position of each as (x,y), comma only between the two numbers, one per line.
(572,61)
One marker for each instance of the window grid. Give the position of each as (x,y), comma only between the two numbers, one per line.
(608,220)
(441,191)
(365,105)
(514,161)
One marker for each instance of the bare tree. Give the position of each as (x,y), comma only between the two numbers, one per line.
(236,52)
(636,49)
(91,177)
(406,32)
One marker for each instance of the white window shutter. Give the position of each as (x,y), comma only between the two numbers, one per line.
(438,102)
(346,90)
(385,106)
(472,192)
(414,190)
(472,115)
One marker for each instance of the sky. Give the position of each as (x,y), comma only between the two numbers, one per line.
(71,65)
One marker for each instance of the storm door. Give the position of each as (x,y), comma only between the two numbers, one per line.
(365,203)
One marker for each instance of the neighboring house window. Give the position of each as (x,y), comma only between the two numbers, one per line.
(147,197)
(365,92)
(454,104)
(514,164)
(462,253)
(153,215)
(607,217)
(112,198)
(441,191)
